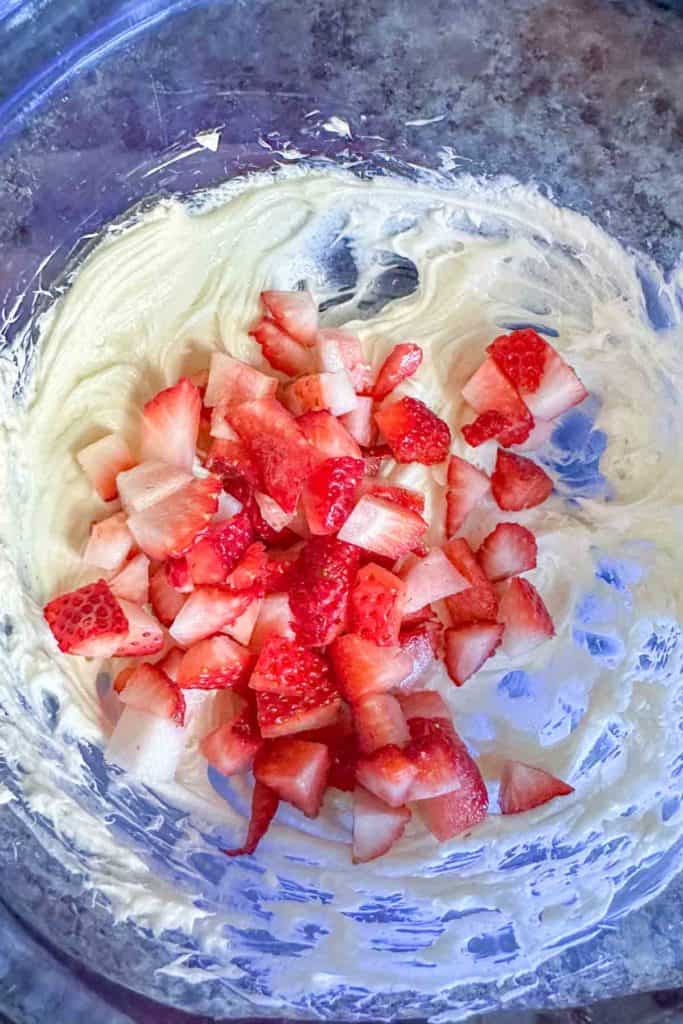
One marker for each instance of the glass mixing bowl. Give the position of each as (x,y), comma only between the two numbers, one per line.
(110,105)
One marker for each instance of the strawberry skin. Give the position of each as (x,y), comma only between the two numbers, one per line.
(231,747)
(330,493)
(401,363)
(88,621)
(145,635)
(376,605)
(376,826)
(149,689)
(102,461)
(170,424)
(399,495)
(362,667)
(469,646)
(525,617)
(466,486)
(281,714)
(318,594)
(479,603)
(219,549)
(286,667)
(296,770)
(523,787)
(521,357)
(413,432)
(466,805)
(518,482)
(264,804)
(170,526)
(215,663)
(165,600)
(507,551)
(383,527)
(295,312)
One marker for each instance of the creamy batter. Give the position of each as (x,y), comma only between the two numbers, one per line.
(152,301)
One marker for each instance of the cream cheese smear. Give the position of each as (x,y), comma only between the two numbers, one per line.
(601,705)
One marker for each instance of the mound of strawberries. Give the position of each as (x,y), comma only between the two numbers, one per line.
(255,547)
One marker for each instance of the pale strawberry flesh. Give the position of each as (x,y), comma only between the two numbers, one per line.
(102,461)
(149,689)
(295,312)
(507,551)
(525,617)
(383,527)
(296,770)
(523,787)
(376,826)
(231,747)
(362,667)
(465,488)
(215,663)
(145,635)
(469,646)
(170,424)
(401,363)
(171,526)
(379,721)
(208,610)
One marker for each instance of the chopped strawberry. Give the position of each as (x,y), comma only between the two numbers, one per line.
(330,493)
(435,750)
(521,357)
(431,579)
(166,602)
(206,611)
(251,568)
(132,582)
(507,551)
(541,433)
(264,804)
(170,663)
(144,636)
(284,666)
(424,704)
(227,507)
(295,312)
(242,629)
(388,774)
(362,667)
(376,605)
(379,721)
(548,385)
(232,381)
(401,363)
(399,495)
(468,647)
(109,543)
(559,390)
(318,594)
(317,391)
(214,664)
(87,621)
(464,806)
(281,714)
(492,424)
(421,642)
(170,424)
(344,754)
(375,456)
(383,527)
(231,461)
(489,390)
(376,826)
(149,689)
(360,422)
(102,461)
(351,351)
(272,513)
(465,487)
(280,350)
(178,574)
(170,526)
(149,483)
(519,483)
(278,447)
(219,427)
(413,432)
(523,787)
(217,552)
(329,438)
(280,570)
(296,770)
(274,619)
(463,558)
(525,617)
(476,604)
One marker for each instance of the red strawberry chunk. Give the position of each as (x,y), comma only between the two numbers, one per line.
(413,432)
(360,422)
(379,721)
(521,357)
(466,486)
(170,424)
(102,461)
(214,664)
(424,704)
(231,747)
(330,493)
(295,312)
(144,636)
(278,447)
(492,424)
(232,381)
(318,594)
(251,568)
(281,714)
(274,619)
(170,526)
(178,574)
(281,350)
(376,826)
(383,527)
(149,689)
(208,610)
(507,551)
(317,391)
(525,617)
(435,750)
(523,787)
(468,647)
(286,667)
(328,437)
(296,770)
(242,629)
(87,621)
(232,461)
(421,642)
(279,571)
(430,579)
(166,602)
(149,483)
(264,804)
(376,605)
(399,495)
(519,483)
(362,667)
(490,390)
(401,363)
(476,604)
(549,386)
(388,774)
(559,390)
(109,543)
(170,663)
(463,807)
(218,551)
(351,351)
(132,582)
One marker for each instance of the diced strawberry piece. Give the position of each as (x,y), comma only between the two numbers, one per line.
(214,556)
(492,424)
(232,381)
(170,663)
(274,619)
(280,570)
(102,461)
(421,642)
(219,427)
(559,390)
(376,605)
(351,351)
(242,629)
(166,602)
(109,543)
(413,432)
(465,487)
(468,647)
(521,357)
(383,527)
(329,438)
(476,604)
(376,826)
(318,594)
(465,805)
(284,666)
(272,513)
(132,582)
(388,774)
(490,390)
(170,526)
(145,635)
(401,363)
(330,493)
(519,483)
(295,312)
(296,770)
(375,457)
(332,391)
(390,492)
(360,422)
(523,787)
(281,714)
(344,754)
(362,667)
(243,490)
(541,433)
(87,621)
(178,574)
(463,558)
(548,385)
(507,551)
(149,689)
(251,568)
(435,750)
(281,350)
(431,579)
(227,507)
(379,721)
(264,804)
(206,611)
(424,704)
(232,461)
(278,447)
(170,424)
(149,483)
(214,664)
(525,617)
